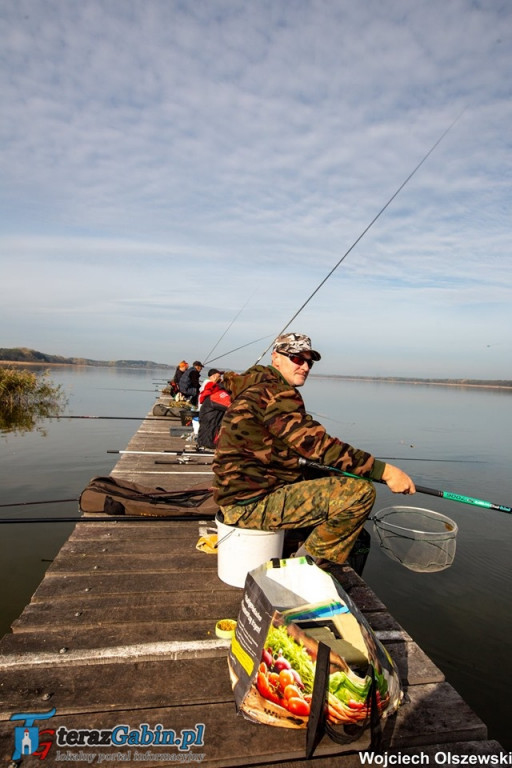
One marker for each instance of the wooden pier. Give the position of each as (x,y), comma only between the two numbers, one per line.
(121,631)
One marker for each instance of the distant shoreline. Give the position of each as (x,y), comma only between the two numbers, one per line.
(480,384)
(45,364)
(474,384)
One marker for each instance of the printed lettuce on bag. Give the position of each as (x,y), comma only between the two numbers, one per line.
(273,654)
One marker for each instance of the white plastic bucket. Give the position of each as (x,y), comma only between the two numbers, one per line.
(239,550)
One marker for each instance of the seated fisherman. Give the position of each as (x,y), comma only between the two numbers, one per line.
(174,383)
(259,482)
(213,403)
(190,382)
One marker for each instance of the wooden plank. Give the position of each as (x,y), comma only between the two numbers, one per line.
(108,686)
(170,537)
(80,585)
(414,666)
(39,616)
(146,459)
(120,530)
(60,640)
(231,740)
(225,743)
(382,621)
(457,749)
(432,713)
(133,546)
(150,651)
(161,539)
(171,563)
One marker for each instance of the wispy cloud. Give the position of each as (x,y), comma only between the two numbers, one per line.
(164,161)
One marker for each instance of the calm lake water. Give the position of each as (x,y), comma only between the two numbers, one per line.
(450,438)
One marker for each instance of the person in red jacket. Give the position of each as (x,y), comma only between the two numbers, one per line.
(213,404)
(211,384)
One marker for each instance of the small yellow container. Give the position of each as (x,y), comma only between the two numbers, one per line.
(225,628)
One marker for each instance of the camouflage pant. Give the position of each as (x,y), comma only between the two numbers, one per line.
(336,507)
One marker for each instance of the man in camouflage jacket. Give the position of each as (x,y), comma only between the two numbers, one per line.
(259,482)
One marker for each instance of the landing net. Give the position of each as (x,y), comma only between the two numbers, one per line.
(419,539)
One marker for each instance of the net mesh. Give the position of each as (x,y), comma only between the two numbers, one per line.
(419,539)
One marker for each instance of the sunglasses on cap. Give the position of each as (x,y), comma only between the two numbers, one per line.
(298,359)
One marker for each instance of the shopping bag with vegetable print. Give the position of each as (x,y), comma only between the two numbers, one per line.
(304,656)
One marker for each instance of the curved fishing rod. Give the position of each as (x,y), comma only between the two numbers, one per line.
(363,233)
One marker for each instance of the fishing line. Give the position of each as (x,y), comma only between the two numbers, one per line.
(363,233)
(225,354)
(442,461)
(212,350)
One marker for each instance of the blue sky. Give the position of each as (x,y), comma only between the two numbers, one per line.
(179,176)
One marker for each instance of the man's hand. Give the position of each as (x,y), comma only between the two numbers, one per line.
(397,481)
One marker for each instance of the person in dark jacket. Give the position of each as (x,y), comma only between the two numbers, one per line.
(174,383)
(190,382)
(213,404)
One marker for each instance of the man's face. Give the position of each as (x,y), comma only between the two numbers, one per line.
(296,372)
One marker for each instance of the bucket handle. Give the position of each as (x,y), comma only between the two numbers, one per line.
(219,541)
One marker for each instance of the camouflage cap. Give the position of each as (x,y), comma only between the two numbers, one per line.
(295,344)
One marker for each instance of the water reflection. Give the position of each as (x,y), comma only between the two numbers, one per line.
(27,398)
(458,440)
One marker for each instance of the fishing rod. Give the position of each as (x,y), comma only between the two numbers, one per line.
(30,503)
(112,519)
(367,228)
(184,463)
(419,488)
(116,418)
(194,454)
(210,454)
(182,454)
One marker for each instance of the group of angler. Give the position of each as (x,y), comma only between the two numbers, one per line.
(210,396)
(260,480)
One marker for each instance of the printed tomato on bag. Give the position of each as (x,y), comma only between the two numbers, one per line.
(286,613)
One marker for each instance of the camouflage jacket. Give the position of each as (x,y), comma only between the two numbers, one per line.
(264,433)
